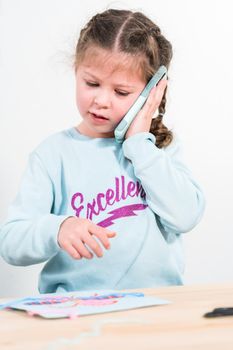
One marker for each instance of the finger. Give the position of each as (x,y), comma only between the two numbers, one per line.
(82,250)
(93,229)
(94,245)
(154,98)
(104,239)
(162,84)
(159,91)
(111,234)
(102,234)
(73,253)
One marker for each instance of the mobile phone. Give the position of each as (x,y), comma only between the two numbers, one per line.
(124,124)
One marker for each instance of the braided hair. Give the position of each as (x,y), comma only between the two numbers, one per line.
(134,34)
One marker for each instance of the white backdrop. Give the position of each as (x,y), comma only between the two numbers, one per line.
(37,40)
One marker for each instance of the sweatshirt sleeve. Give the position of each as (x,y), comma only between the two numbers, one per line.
(171,192)
(29,234)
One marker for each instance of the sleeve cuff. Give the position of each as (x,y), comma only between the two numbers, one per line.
(140,148)
(51,224)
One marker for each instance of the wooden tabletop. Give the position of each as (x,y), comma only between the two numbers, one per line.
(179,325)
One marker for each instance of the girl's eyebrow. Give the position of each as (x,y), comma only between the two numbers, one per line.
(118,85)
(91,75)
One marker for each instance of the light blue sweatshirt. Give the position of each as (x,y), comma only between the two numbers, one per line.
(143,193)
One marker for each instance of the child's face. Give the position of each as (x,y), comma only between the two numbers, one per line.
(106,87)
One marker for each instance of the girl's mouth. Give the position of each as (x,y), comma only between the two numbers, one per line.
(98,118)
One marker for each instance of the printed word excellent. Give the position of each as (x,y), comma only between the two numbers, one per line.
(120,192)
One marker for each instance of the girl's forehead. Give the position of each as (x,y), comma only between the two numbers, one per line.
(110,63)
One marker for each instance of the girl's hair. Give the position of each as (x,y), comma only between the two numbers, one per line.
(134,34)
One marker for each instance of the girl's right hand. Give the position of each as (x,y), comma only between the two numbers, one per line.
(76,234)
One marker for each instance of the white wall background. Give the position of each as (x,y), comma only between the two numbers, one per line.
(37,40)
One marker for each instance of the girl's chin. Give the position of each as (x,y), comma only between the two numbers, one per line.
(95,131)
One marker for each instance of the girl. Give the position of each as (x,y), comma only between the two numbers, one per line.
(82,189)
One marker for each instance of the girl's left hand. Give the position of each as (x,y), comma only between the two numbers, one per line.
(142,121)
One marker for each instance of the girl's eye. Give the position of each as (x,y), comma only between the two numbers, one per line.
(118,92)
(122,93)
(89,83)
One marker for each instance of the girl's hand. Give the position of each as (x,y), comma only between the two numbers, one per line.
(76,235)
(142,121)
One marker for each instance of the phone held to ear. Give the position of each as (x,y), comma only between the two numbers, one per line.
(124,124)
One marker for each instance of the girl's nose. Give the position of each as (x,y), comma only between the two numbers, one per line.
(103,99)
